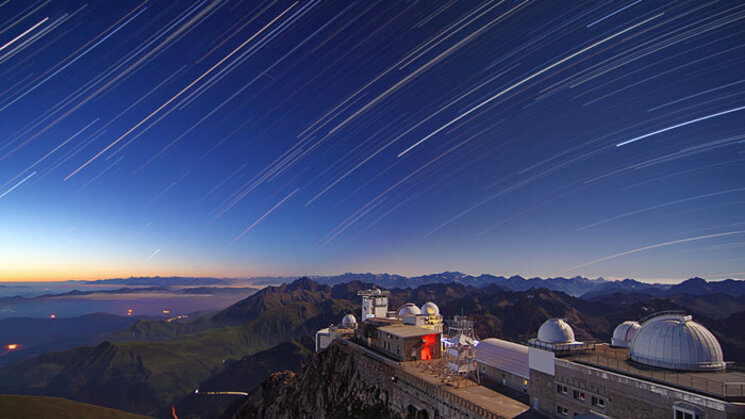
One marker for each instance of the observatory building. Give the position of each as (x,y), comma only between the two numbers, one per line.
(664,366)
(343,331)
(503,362)
(667,366)
(407,334)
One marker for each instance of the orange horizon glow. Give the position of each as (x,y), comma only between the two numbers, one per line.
(60,277)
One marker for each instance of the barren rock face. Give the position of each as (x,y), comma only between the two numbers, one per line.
(331,386)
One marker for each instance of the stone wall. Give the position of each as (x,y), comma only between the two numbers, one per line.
(542,393)
(406,393)
(347,380)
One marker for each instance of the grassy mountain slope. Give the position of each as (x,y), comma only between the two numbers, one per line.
(14,406)
(145,376)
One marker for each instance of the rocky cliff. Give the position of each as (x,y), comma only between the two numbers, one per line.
(332,385)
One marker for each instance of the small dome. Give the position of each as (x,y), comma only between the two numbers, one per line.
(678,343)
(409,309)
(624,333)
(430,308)
(555,331)
(349,320)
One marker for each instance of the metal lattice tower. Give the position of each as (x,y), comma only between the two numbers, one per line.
(460,352)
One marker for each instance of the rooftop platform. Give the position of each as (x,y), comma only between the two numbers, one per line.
(484,397)
(426,375)
(407,331)
(726,385)
(382,322)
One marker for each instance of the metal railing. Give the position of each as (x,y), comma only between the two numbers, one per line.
(662,313)
(562,347)
(692,381)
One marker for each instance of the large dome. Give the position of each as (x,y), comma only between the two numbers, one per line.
(430,308)
(409,309)
(677,342)
(624,333)
(555,331)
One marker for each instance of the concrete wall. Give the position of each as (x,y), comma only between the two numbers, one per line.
(541,360)
(624,397)
(502,377)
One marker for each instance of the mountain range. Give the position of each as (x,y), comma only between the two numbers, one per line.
(576,286)
(150,366)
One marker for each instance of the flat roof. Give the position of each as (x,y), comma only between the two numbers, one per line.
(407,331)
(382,321)
(723,385)
(484,397)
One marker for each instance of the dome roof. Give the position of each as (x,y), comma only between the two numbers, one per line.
(430,308)
(555,331)
(623,334)
(408,309)
(348,320)
(504,355)
(677,342)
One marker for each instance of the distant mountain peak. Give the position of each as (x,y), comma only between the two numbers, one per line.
(303,283)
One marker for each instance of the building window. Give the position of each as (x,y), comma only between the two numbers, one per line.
(579,395)
(561,389)
(682,413)
(597,401)
(561,410)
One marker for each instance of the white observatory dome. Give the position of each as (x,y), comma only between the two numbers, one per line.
(348,321)
(409,309)
(624,333)
(677,342)
(430,308)
(555,331)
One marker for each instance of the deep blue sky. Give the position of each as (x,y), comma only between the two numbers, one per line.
(230,138)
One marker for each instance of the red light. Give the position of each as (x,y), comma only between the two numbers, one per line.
(11,347)
(428,343)
(429,339)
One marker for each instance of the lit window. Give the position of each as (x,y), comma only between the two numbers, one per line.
(579,395)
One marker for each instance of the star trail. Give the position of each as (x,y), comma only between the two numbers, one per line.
(234,138)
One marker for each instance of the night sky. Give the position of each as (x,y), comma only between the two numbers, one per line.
(240,138)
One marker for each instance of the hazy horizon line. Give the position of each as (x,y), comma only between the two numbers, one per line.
(716,277)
